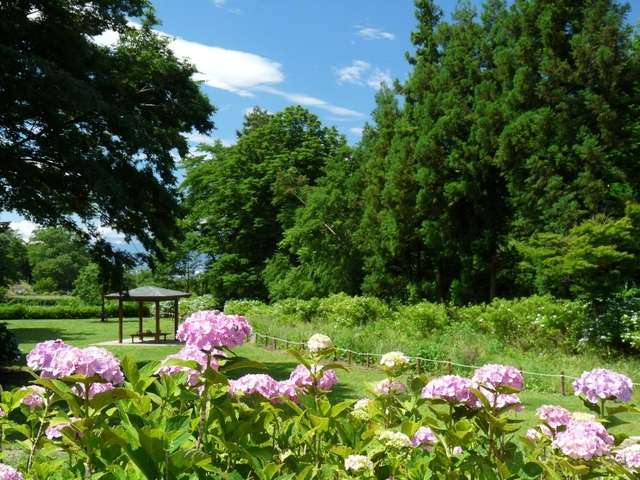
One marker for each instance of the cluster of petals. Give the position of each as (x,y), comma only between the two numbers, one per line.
(94,389)
(494,376)
(301,378)
(56,430)
(208,329)
(394,440)
(189,352)
(584,440)
(501,400)
(387,386)
(629,456)
(554,415)
(601,383)
(55,359)
(425,437)
(1,412)
(7,472)
(452,388)
(264,385)
(394,359)
(35,398)
(319,342)
(358,463)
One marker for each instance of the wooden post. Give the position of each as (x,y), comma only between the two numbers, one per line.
(140,317)
(286,344)
(175,317)
(157,321)
(419,367)
(562,382)
(349,357)
(449,366)
(368,359)
(275,345)
(266,341)
(120,315)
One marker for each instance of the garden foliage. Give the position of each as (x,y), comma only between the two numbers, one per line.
(87,415)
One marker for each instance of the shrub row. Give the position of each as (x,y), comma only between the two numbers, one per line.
(23,312)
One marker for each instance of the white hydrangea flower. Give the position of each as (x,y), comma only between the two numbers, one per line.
(395,440)
(394,359)
(319,342)
(358,463)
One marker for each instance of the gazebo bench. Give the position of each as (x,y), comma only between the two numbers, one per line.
(141,335)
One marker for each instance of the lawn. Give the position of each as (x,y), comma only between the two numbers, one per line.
(354,383)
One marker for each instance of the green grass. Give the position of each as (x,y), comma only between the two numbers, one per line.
(353,384)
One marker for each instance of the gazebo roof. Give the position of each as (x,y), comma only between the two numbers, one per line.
(147,294)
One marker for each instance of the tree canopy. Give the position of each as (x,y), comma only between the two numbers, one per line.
(88,132)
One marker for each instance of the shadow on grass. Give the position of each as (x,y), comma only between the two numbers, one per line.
(37,335)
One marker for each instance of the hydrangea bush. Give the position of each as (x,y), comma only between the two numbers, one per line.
(88,415)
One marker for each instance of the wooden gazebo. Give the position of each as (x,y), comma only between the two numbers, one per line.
(147,294)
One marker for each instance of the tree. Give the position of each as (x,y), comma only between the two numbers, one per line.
(232,195)
(88,132)
(14,262)
(56,254)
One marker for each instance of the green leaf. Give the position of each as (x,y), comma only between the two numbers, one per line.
(104,399)
(130,370)
(244,364)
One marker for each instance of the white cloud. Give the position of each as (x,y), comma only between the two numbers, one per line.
(374,34)
(218,3)
(229,70)
(356,131)
(24,227)
(198,138)
(309,101)
(112,236)
(362,73)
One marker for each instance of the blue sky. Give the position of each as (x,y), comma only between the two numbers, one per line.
(328,56)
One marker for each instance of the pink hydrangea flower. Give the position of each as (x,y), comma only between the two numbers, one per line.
(256,383)
(208,329)
(501,400)
(40,357)
(190,352)
(94,388)
(494,376)
(629,456)
(386,386)
(584,440)
(554,415)
(9,473)
(35,398)
(452,388)
(55,359)
(2,414)
(425,437)
(301,378)
(56,430)
(456,450)
(601,383)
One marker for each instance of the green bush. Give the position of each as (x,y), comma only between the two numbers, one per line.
(342,310)
(18,312)
(246,307)
(9,351)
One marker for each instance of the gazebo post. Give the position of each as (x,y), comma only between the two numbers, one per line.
(175,318)
(140,317)
(120,315)
(157,321)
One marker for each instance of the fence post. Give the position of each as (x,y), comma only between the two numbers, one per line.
(562,382)
(449,366)
(286,344)
(275,347)
(368,359)
(419,367)
(266,341)
(349,357)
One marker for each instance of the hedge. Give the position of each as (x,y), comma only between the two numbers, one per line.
(20,312)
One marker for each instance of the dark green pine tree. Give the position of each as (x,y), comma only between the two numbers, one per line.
(569,150)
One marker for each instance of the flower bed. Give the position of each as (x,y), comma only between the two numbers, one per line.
(90,416)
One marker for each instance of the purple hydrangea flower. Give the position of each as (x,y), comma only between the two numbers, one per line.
(9,473)
(423,436)
(40,357)
(601,383)
(2,414)
(629,456)
(190,352)
(554,415)
(208,329)
(494,376)
(502,399)
(452,388)
(584,440)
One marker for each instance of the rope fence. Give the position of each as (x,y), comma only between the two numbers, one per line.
(273,341)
